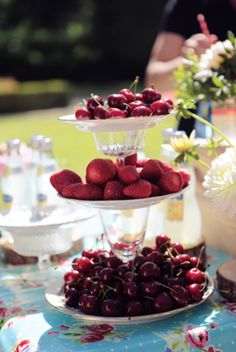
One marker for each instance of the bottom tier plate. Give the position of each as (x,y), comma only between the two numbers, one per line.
(55,298)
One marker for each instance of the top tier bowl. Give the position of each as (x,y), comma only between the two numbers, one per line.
(115,124)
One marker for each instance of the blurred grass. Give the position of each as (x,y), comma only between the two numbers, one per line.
(72,148)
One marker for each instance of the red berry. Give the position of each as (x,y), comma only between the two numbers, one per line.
(140,189)
(82,114)
(196,292)
(131,160)
(160,108)
(139,96)
(83,191)
(83,264)
(162,302)
(71,276)
(99,171)
(178,248)
(152,170)
(150,95)
(128,174)
(117,101)
(185,175)
(101,112)
(135,104)
(162,242)
(114,113)
(141,111)
(128,94)
(113,190)
(170,102)
(155,190)
(63,178)
(195,275)
(94,101)
(170,182)
(182,260)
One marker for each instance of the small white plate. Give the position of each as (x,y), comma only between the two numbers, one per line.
(56,299)
(24,219)
(126,203)
(109,125)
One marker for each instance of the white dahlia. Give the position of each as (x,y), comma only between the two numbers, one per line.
(220,182)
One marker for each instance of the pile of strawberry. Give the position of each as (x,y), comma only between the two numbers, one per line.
(106,181)
(125,104)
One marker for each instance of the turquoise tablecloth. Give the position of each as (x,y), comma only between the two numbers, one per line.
(28,324)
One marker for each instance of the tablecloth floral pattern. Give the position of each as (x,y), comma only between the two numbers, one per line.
(28,324)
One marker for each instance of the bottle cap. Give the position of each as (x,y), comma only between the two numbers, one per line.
(46,144)
(13,144)
(166,134)
(36,141)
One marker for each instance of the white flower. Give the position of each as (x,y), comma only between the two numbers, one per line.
(204,75)
(220,182)
(183,143)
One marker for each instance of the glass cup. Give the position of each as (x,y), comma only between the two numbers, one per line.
(125,230)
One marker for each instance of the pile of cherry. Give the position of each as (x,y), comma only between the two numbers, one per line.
(158,279)
(125,104)
(105,180)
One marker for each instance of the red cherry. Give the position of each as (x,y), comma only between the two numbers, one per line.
(94,101)
(128,94)
(160,108)
(71,276)
(170,102)
(178,248)
(196,263)
(117,100)
(100,112)
(150,95)
(114,112)
(182,260)
(83,264)
(83,114)
(196,292)
(139,96)
(162,242)
(135,104)
(195,275)
(141,110)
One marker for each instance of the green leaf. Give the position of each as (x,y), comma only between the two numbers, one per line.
(231,37)
(217,82)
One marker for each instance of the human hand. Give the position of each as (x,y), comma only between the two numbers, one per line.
(197,44)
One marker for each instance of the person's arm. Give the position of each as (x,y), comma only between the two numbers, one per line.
(168,53)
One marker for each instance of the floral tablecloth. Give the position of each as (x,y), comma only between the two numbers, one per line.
(28,324)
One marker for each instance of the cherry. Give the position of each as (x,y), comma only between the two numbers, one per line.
(139,260)
(91,337)
(101,328)
(195,275)
(89,304)
(196,263)
(131,160)
(122,269)
(130,276)
(155,257)
(178,248)
(111,308)
(160,108)
(180,295)
(128,94)
(162,302)
(130,289)
(150,95)
(134,308)
(72,294)
(101,112)
(196,292)
(141,110)
(95,289)
(150,288)
(114,112)
(90,253)
(139,96)
(149,269)
(170,102)
(175,281)
(135,104)
(113,262)
(146,250)
(106,275)
(117,100)
(182,260)
(72,276)
(87,283)
(94,101)
(83,114)
(82,264)
(162,242)
(117,288)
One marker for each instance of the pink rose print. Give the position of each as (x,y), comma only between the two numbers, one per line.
(197,337)
(212,349)
(3,312)
(91,337)
(22,346)
(53,332)
(102,328)
(64,327)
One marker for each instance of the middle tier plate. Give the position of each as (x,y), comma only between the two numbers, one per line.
(118,124)
(124,203)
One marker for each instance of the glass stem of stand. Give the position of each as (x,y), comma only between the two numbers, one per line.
(43,262)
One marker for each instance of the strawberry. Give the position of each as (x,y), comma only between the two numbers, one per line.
(142,162)
(166,167)
(152,170)
(113,190)
(155,190)
(83,191)
(131,159)
(99,171)
(128,174)
(185,177)
(170,182)
(140,189)
(63,178)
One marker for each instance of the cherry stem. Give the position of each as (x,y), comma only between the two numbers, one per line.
(134,84)
(200,255)
(85,102)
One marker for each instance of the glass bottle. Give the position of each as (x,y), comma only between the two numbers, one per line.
(47,165)
(14,189)
(181,215)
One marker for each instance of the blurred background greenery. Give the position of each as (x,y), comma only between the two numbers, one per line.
(53,54)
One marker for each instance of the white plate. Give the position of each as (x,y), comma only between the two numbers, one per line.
(122,124)
(124,204)
(56,299)
(29,219)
